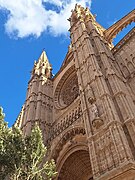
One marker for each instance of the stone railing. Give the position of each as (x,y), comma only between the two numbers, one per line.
(65,122)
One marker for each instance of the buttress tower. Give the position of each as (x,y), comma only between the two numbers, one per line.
(38,105)
(106,103)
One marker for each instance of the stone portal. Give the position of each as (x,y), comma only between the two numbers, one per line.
(76,167)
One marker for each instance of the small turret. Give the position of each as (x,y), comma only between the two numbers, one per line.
(39,100)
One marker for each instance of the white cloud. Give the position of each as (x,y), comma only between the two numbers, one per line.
(54,2)
(31,17)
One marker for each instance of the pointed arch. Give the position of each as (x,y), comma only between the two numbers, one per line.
(125,71)
(67,136)
(76,166)
(131,67)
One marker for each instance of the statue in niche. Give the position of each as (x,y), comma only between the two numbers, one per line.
(94,111)
(96,120)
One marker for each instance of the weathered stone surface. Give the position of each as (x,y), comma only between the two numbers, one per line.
(87,111)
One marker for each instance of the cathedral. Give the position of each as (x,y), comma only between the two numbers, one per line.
(87,110)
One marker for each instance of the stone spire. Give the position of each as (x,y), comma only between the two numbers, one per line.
(42,66)
(39,99)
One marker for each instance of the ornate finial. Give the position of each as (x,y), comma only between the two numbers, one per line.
(76,6)
(80,13)
(70,47)
(2,115)
(35,62)
(88,14)
(95,15)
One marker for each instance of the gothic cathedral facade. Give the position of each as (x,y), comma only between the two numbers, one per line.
(87,110)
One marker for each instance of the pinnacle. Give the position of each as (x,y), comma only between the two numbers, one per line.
(1,114)
(81,12)
(43,60)
(43,57)
(42,66)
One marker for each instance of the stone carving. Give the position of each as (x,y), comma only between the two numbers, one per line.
(94,111)
(96,120)
(1,114)
(64,123)
(70,90)
(91,100)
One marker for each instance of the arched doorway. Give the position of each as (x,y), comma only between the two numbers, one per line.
(76,167)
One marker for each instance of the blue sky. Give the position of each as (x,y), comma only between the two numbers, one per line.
(29,26)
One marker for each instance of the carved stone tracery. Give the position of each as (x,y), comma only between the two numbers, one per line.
(70,90)
(65,122)
(67,89)
(65,138)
